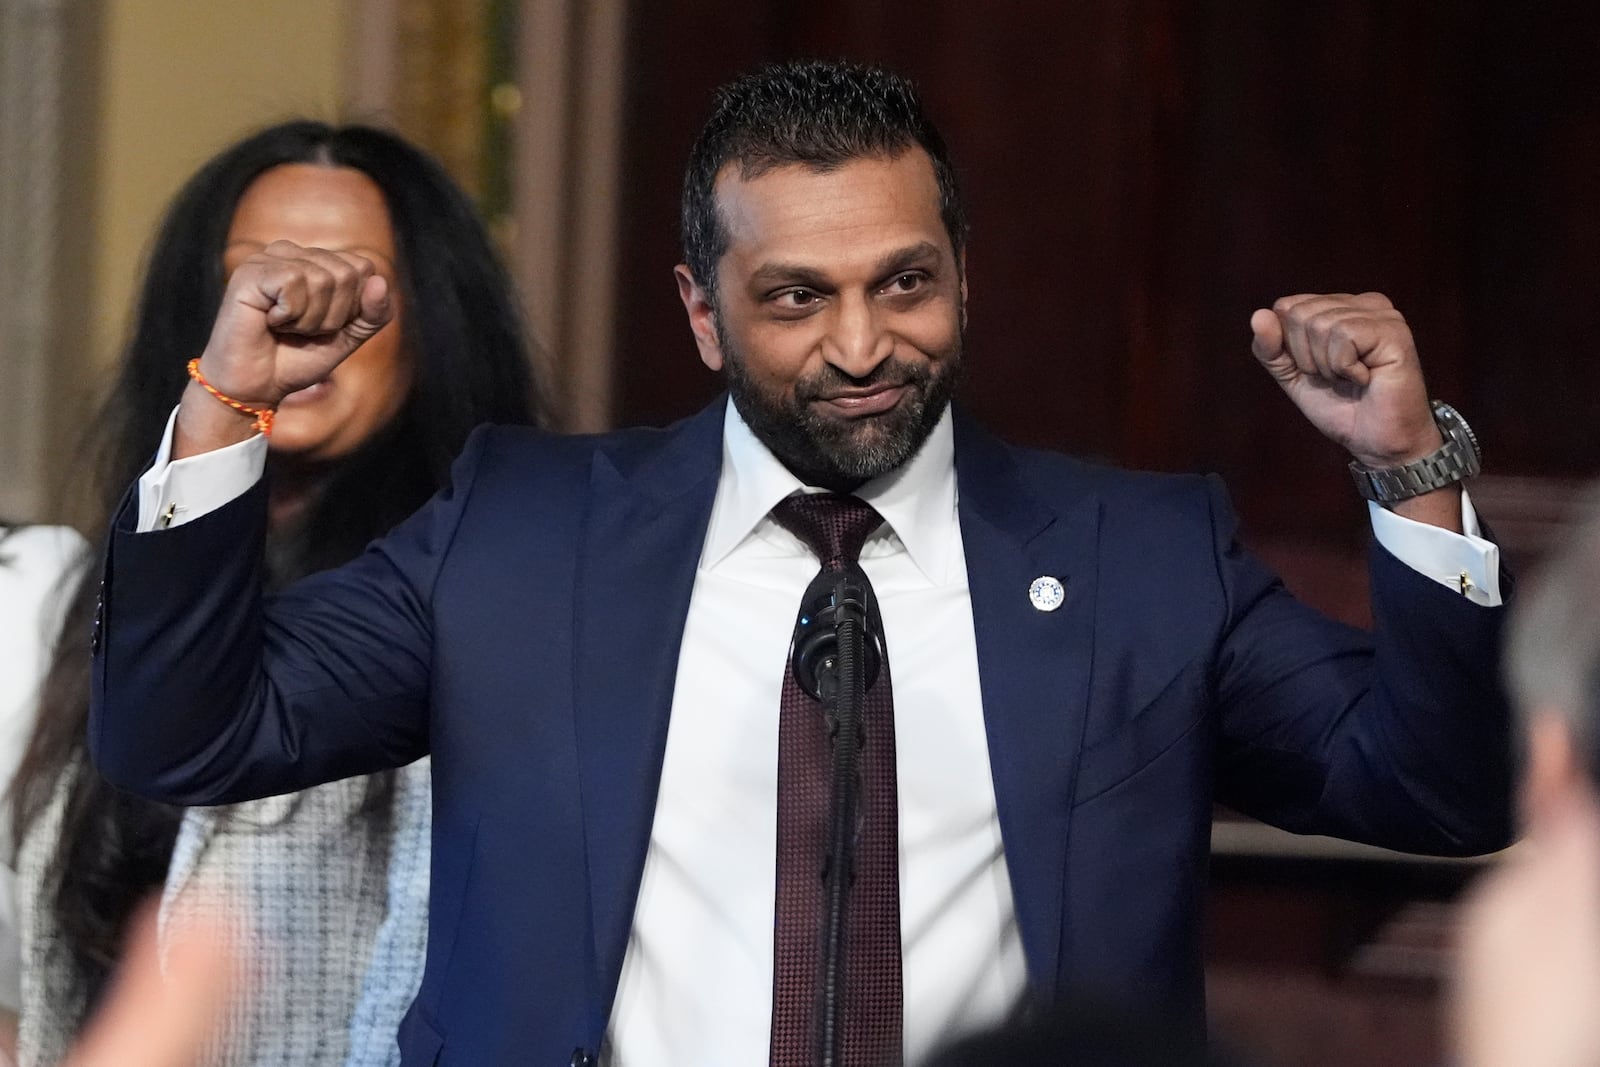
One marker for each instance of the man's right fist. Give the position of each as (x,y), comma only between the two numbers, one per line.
(289,316)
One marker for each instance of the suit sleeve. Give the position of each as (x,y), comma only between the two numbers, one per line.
(206,692)
(1399,737)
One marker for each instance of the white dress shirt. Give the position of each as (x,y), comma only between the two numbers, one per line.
(697,978)
(696,983)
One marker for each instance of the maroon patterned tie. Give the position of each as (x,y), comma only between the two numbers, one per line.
(835,527)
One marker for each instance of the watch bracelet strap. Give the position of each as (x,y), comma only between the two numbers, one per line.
(1446,467)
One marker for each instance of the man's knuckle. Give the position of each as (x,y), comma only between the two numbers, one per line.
(1342,330)
(1322,324)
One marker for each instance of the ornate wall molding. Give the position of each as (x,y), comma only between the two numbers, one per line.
(441,82)
(522,101)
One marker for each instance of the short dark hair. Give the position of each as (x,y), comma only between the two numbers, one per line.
(814,113)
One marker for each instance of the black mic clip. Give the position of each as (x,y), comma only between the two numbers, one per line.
(832,598)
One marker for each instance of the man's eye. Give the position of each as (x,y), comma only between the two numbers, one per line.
(909,282)
(794,299)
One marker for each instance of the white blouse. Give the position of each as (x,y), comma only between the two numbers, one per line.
(38,565)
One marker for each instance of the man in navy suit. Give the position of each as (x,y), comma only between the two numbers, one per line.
(588,634)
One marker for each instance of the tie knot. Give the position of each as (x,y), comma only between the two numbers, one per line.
(832,525)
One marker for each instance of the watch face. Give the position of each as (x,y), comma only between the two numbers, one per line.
(1456,429)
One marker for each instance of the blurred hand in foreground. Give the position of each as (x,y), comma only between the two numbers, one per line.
(1527,990)
(162,1012)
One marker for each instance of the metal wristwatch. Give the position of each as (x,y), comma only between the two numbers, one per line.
(1456,460)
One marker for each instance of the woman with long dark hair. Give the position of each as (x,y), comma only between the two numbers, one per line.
(314,874)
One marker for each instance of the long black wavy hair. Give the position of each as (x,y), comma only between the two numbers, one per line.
(463,335)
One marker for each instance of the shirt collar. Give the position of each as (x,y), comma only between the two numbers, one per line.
(917,500)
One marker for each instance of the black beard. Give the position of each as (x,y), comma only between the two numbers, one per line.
(841,454)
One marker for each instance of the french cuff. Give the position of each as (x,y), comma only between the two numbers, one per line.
(1465,562)
(173,492)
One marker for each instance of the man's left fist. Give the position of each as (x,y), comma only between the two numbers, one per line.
(1349,364)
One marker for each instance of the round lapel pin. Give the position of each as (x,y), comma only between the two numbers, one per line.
(1046,593)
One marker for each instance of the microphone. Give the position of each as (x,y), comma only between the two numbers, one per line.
(838,654)
(833,598)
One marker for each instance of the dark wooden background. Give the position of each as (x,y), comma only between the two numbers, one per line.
(1143,174)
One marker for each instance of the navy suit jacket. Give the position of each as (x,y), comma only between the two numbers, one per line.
(523,628)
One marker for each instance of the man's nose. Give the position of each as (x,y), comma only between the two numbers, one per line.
(857,341)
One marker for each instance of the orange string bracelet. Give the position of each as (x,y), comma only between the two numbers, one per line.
(263,416)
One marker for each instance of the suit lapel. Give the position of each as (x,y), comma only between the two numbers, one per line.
(636,568)
(1033,668)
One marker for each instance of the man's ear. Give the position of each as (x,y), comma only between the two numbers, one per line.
(1557,775)
(702,316)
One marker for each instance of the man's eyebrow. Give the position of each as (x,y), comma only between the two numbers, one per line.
(900,259)
(788,274)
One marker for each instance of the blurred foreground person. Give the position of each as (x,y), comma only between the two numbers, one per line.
(35,562)
(330,878)
(1528,990)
